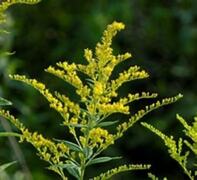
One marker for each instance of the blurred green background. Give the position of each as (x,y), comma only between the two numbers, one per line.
(162,37)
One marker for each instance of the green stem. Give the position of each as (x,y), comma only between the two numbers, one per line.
(83,161)
(82,169)
(187,172)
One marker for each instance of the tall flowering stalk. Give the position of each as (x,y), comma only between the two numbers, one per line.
(86,120)
(175,148)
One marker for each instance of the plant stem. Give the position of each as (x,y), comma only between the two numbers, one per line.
(82,170)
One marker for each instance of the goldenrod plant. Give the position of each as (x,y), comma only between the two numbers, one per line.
(175,147)
(86,120)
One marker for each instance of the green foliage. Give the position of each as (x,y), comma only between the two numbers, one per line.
(84,119)
(168,52)
(4,166)
(5,176)
(4,102)
(175,148)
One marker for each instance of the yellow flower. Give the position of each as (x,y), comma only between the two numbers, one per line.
(98,89)
(100,137)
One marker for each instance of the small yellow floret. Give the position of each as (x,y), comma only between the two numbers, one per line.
(100,137)
(98,88)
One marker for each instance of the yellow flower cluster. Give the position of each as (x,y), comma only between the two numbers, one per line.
(137,96)
(141,113)
(92,65)
(11,118)
(72,107)
(69,74)
(132,73)
(7,3)
(54,102)
(107,109)
(62,104)
(174,149)
(98,99)
(98,89)
(100,138)
(70,77)
(122,168)
(103,50)
(104,62)
(48,150)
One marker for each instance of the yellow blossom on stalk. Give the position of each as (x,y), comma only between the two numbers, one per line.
(98,88)
(99,137)
(74,120)
(5,4)
(54,102)
(86,120)
(113,108)
(175,148)
(123,168)
(71,77)
(69,106)
(47,149)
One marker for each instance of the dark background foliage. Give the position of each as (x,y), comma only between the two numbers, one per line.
(162,37)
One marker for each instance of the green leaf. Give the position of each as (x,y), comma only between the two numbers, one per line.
(72,169)
(4,166)
(9,53)
(5,134)
(90,80)
(195,173)
(4,31)
(71,145)
(4,102)
(102,160)
(88,152)
(108,123)
(77,125)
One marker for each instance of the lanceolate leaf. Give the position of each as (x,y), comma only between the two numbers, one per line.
(4,166)
(108,123)
(88,152)
(5,134)
(102,160)
(72,169)
(4,102)
(71,145)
